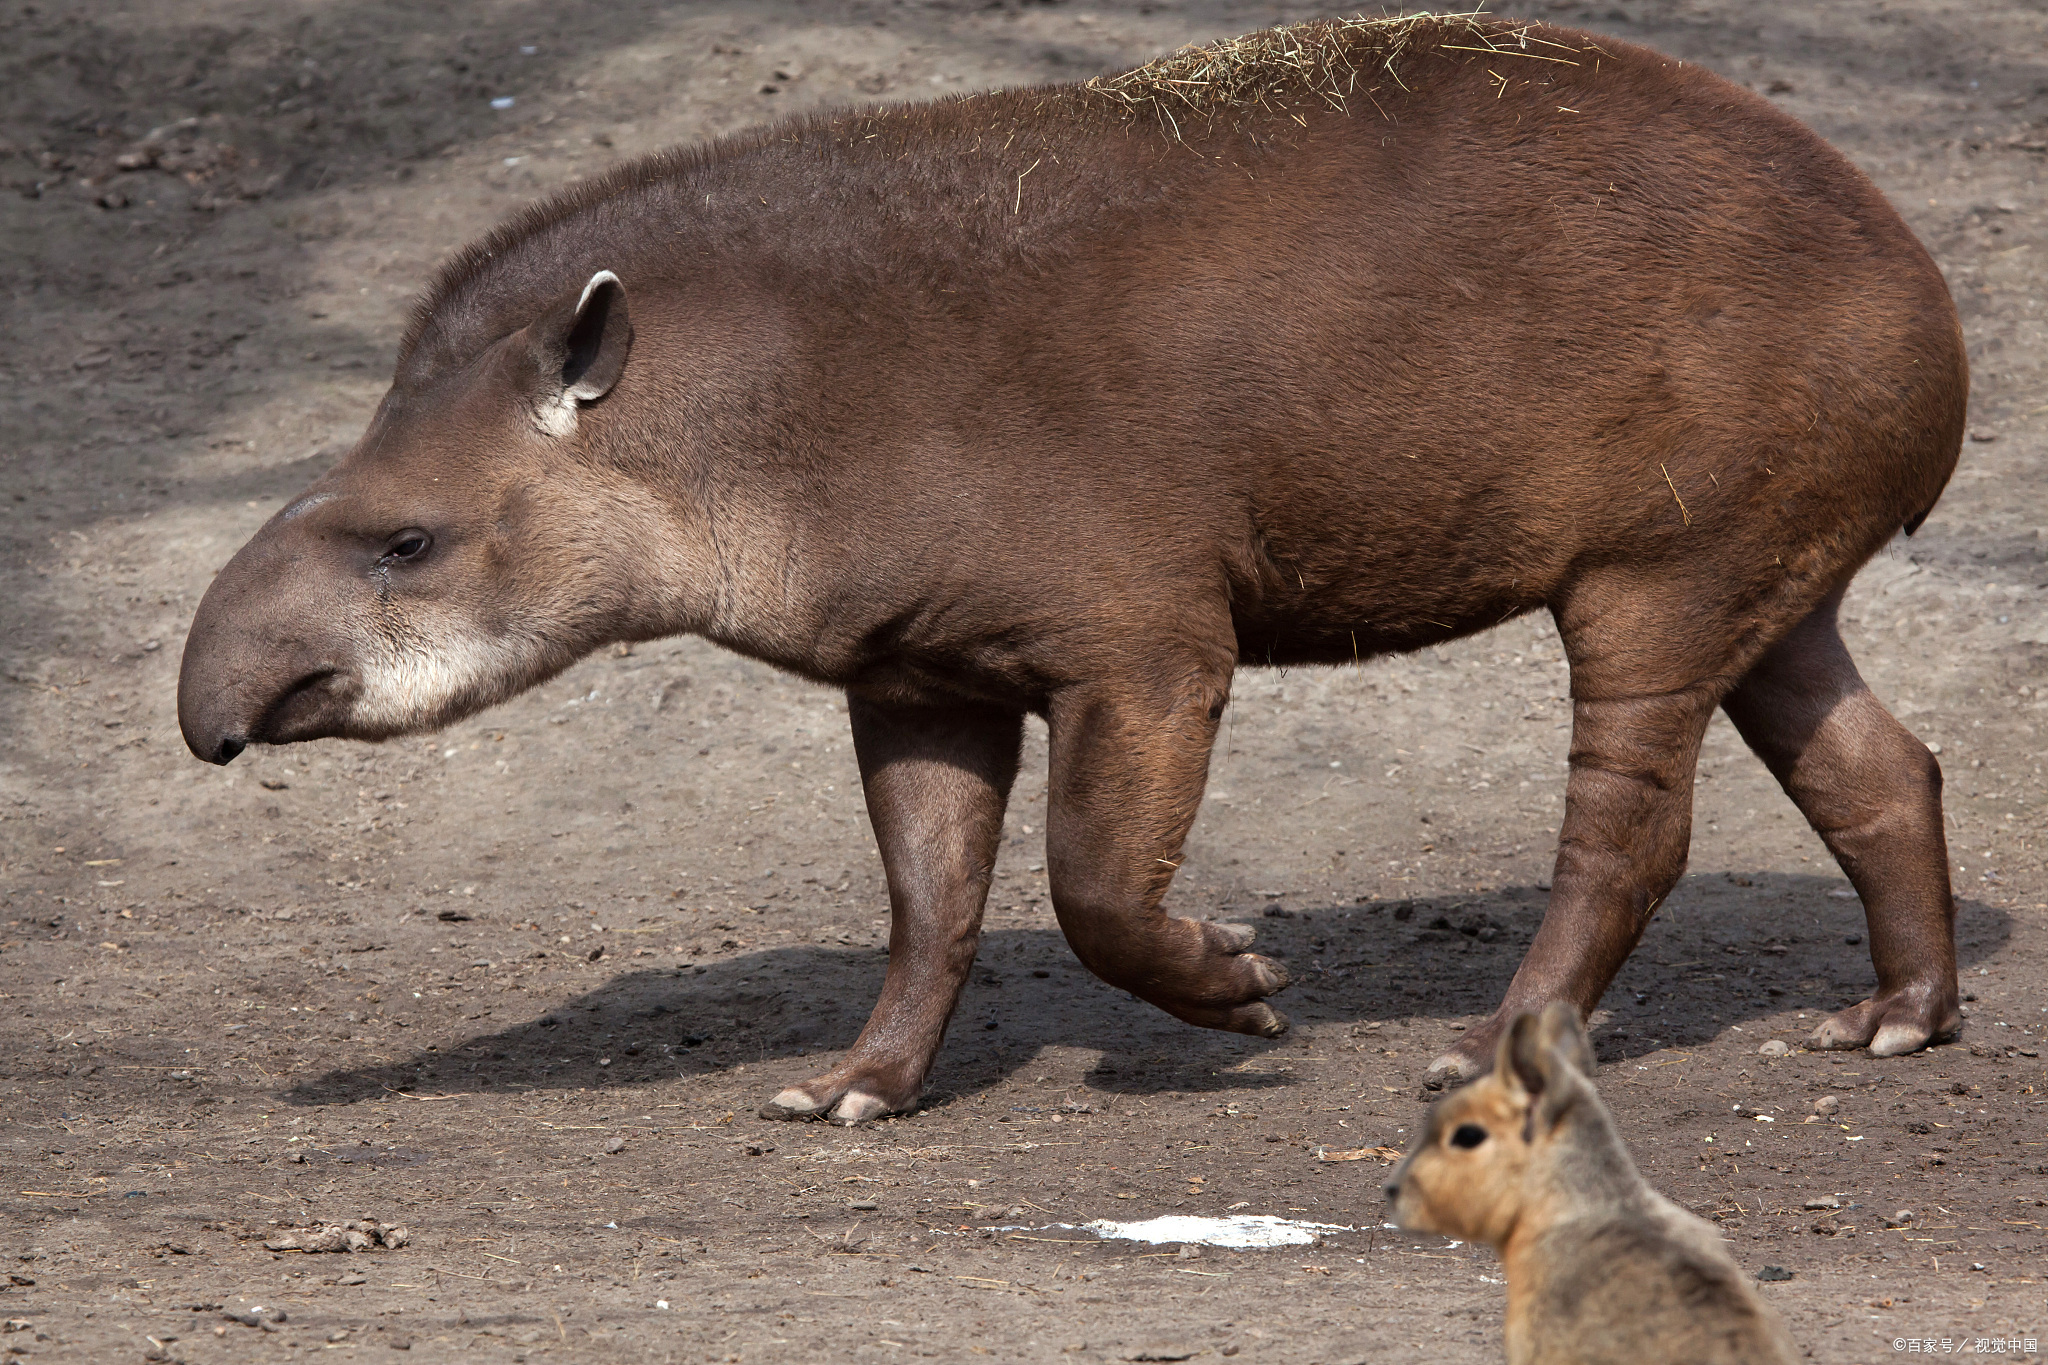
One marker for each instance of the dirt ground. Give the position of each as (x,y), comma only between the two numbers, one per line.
(522,987)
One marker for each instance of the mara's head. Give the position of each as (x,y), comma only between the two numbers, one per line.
(466,548)
(1495,1147)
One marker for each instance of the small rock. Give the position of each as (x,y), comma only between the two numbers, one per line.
(1827,1104)
(1825,1201)
(1776,1047)
(1985,437)
(863,1205)
(615,1145)
(1899,1219)
(363,1234)
(594,954)
(1774,1273)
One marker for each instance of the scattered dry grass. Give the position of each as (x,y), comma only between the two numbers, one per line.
(1328,61)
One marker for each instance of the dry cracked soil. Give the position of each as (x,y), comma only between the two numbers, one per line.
(522,986)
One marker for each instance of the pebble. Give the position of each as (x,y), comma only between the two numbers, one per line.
(1824,1201)
(615,1145)
(862,1205)
(1776,1047)
(1827,1104)
(362,1234)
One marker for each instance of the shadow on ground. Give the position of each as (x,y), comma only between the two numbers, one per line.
(1728,950)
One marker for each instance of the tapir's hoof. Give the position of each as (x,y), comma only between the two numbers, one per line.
(1892,1025)
(1468,1061)
(1226,986)
(1260,1020)
(848,1107)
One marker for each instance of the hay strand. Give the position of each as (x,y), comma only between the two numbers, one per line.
(1326,61)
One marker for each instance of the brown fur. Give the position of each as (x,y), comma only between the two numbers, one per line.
(1600,1267)
(1058,401)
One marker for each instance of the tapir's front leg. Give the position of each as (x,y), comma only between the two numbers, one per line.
(937,780)
(1129,759)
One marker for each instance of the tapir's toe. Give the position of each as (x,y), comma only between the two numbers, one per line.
(792,1103)
(1451,1070)
(1231,938)
(858,1106)
(1259,1019)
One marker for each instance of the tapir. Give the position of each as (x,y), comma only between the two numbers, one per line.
(1327,342)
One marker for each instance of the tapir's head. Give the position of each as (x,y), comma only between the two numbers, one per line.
(466,548)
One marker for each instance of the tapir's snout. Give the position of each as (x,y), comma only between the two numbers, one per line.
(261,665)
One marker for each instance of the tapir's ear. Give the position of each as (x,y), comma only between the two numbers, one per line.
(581,349)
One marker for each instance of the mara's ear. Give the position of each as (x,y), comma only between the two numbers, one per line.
(1551,1062)
(580,347)
(1559,1031)
(1518,1061)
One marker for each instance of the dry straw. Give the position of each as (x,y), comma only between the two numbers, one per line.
(1330,61)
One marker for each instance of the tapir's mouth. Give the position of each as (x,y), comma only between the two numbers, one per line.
(313,707)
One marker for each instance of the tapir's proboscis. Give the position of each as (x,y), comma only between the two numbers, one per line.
(1331,341)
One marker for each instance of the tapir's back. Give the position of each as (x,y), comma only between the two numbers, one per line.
(1398,325)
(1405,321)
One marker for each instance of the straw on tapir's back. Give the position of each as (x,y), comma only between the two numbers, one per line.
(1331,341)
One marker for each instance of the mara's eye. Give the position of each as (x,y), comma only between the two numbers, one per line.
(407,545)
(1468,1136)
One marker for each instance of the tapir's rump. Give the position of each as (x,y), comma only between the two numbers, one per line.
(1332,340)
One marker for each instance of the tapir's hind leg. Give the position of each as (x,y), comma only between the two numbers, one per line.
(1128,761)
(937,780)
(1627,829)
(1873,793)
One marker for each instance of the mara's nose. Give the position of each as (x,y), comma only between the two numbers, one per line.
(1392,1189)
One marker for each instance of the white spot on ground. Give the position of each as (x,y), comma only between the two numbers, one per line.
(1240,1232)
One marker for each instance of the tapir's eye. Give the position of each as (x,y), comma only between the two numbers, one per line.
(407,545)
(1468,1136)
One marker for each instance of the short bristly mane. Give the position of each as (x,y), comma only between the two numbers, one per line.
(1349,65)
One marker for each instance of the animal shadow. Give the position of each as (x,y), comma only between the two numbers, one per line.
(1725,949)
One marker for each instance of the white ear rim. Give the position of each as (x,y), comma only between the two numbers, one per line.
(557,419)
(601,277)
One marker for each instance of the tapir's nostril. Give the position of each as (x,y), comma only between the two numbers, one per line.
(229,747)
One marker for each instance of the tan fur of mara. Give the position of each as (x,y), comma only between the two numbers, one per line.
(1601,1268)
